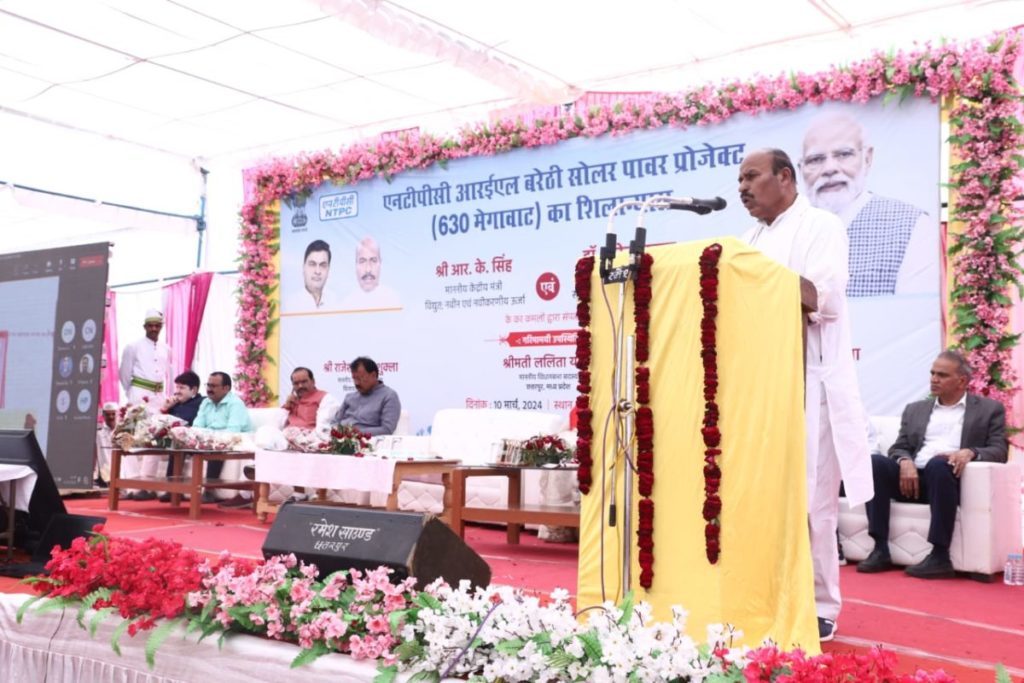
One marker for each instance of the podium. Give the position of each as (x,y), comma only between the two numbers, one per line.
(762,582)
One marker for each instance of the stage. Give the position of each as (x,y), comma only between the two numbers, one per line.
(960,626)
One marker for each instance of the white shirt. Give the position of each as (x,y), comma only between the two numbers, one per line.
(146,359)
(380,296)
(919,270)
(303,301)
(944,432)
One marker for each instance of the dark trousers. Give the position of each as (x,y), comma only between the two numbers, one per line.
(213,468)
(937,487)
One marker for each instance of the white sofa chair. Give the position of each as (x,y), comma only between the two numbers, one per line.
(988,521)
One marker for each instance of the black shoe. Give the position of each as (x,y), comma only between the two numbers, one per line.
(935,566)
(249,472)
(237,502)
(144,495)
(98,481)
(165,497)
(878,561)
(826,630)
(209,497)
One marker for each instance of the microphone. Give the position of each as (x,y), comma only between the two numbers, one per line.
(700,206)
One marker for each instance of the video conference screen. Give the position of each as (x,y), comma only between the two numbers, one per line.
(51,352)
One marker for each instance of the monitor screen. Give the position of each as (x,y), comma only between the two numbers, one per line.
(52,305)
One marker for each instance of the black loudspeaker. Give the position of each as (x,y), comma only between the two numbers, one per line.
(412,544)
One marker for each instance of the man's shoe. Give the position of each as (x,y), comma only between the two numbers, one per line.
(165,497)
(877,561)
(98,481)
(826,630)
(932,567)
(235,503)
(209,497)
(249,472)
(144,495)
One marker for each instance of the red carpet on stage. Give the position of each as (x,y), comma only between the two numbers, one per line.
(960,626)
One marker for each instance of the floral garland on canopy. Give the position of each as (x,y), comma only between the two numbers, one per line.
(986,138)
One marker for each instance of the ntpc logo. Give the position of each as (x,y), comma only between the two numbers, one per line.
(335,206)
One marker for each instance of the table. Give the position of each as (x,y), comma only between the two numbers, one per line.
(322,471)
(177,484)
(517,513)
(21,479)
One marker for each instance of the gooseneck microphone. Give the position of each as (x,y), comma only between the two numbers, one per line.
(700,206)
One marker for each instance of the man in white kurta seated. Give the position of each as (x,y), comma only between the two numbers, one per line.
(145,370)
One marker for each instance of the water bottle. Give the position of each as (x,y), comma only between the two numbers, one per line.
(1013,572)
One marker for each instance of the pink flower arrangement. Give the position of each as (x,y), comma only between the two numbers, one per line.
(986,137)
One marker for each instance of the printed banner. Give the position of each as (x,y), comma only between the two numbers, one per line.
(457,280)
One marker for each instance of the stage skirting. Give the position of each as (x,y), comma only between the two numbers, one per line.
(763,582)
(51,647)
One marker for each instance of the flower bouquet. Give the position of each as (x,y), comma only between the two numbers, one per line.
(348,440)
(306,440)
(202,439)
(545,450)
(137,427)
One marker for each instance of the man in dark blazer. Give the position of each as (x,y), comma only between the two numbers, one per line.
(938,437)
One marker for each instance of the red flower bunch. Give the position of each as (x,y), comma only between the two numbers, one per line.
(644,420)
(141,580)
(710,432)
(348,440)
(545,449)
(584,416)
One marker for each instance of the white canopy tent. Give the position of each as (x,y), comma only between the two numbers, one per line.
(124,101)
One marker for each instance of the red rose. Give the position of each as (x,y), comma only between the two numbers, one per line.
(710,530)
(643,393)
(712,471)
(645,484)
(646,507)
(583,313)
(582,403)
(710,453)
(712,437)
(646,577)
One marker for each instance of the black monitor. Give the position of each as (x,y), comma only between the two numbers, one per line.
(19,447)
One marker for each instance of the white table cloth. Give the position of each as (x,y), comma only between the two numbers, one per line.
(326,471)
(51,647)
(25,482)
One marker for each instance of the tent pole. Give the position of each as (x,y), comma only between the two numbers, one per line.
(201,218)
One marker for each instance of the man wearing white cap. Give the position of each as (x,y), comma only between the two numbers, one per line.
(145,366)
(104,442)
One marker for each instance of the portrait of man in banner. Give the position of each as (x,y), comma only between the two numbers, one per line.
(894,245)
(370,293)
(316,268)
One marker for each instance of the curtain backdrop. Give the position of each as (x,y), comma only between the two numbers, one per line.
(184,307)
(109,383)
(216,341)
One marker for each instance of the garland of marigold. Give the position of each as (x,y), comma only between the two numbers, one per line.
(985,135)
(642,293)
(710,432)
(584,415)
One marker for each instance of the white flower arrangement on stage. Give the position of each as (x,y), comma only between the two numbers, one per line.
(139,428)
(202,439)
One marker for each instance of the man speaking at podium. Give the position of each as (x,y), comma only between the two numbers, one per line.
(813,243)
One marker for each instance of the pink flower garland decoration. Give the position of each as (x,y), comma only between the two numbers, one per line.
(985,133)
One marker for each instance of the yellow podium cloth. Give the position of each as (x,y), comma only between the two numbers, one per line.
(763,583)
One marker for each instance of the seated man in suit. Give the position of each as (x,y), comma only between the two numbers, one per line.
(937,438)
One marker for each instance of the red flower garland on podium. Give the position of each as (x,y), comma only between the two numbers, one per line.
(644,421)
(711,434)
(584,415)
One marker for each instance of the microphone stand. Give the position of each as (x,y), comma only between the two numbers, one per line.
(622,400)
